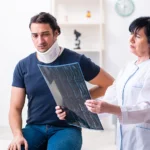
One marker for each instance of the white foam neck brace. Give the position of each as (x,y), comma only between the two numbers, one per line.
(50,55)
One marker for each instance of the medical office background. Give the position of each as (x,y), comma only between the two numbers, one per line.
(16,43)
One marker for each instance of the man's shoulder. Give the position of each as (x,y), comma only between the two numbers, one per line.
(27,58)
(67,53)
(26,61)
(72,52)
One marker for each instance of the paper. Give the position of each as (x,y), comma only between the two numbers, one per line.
(67,85)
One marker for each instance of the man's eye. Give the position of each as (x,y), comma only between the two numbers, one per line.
(34,35)
(46,34)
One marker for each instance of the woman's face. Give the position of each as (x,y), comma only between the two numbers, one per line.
(139,43)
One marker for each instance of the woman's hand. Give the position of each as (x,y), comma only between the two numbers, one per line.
(97,106)
(102,107)
(61,114)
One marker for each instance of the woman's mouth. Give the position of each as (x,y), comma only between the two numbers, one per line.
(131,46)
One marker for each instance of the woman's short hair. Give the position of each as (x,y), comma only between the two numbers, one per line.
(141,22)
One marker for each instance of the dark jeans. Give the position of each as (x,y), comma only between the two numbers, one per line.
(45,137)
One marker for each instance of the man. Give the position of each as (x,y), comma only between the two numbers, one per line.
(44,130)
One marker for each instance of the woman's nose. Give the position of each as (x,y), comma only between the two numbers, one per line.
(131,39)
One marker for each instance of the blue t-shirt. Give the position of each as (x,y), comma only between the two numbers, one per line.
(41,105)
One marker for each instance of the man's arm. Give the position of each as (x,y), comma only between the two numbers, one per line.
(15,118)
(103,80)
(16,105)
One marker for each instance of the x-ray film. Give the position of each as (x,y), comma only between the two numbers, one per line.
(67,85)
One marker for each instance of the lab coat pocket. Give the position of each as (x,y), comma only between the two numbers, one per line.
(137,85)
(135,91)
(143,136)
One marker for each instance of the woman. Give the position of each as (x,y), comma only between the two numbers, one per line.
(131,91)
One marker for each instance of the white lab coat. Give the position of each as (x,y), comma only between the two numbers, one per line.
(131,90)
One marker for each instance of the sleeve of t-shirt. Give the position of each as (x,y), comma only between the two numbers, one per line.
(18,77)
(90,69)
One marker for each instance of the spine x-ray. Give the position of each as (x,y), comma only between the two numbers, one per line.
(67,85)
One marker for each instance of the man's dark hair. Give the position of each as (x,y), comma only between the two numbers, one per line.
(141,22)
(46,18)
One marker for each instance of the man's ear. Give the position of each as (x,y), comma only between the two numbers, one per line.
(56,33)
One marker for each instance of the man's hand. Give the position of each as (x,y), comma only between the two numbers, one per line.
(17,142)
(61,114)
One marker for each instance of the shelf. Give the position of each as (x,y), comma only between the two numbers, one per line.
(83,50)
(63,24)
(86,17)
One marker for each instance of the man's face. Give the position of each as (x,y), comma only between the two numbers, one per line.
(43,36)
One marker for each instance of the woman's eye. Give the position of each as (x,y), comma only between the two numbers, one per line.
(137,35)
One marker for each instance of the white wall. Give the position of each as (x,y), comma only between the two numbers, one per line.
(15,41)
(116,53)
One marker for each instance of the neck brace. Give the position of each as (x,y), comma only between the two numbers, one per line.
(50,55)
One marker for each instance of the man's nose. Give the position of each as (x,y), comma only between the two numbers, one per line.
(40,39)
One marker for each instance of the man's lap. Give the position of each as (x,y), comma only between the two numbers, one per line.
(58,138)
